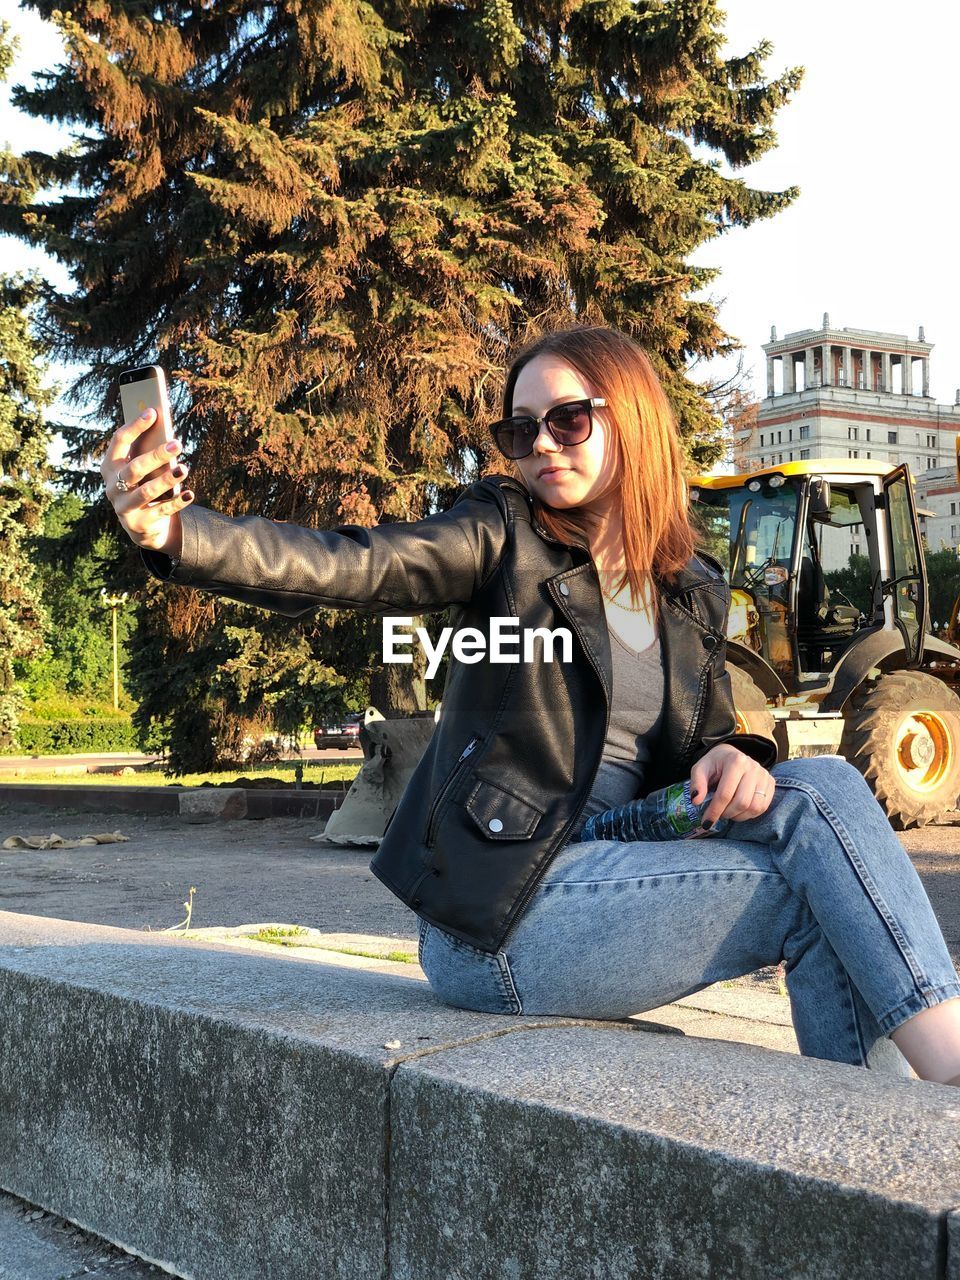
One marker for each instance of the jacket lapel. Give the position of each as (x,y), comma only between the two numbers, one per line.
(577,596)
(691,646)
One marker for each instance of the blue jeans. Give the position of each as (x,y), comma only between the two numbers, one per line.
(819,881)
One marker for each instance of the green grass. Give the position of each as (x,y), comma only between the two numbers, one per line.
(292,935)
(282,935)
(326,774)
(400,956)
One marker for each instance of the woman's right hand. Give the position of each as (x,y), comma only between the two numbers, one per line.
(156,528)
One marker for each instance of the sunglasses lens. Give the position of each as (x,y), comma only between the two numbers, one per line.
(570,423)
(567,423)
(515,436)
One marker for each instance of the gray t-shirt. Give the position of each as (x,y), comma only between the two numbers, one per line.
(636,714)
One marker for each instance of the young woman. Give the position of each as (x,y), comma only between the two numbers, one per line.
(589,532)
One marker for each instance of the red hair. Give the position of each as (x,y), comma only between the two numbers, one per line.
(658,538)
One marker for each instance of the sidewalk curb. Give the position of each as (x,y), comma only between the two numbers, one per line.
(737,1014)
(261,802)
(245,1115)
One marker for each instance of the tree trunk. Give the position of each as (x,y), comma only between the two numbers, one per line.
(399,688)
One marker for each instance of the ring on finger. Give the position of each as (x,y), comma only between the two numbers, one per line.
(121,484)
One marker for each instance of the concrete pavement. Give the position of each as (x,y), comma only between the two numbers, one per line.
(239,1116)
(245,873)
(40,1246)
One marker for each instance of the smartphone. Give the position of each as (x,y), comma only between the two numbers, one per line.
(141,389)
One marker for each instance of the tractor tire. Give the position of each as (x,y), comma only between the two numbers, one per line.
(750,704)
(903,734)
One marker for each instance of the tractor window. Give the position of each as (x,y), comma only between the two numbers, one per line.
(712,521)
(909,578)
(835,537)
(904,544)
(749,530)
(844,508)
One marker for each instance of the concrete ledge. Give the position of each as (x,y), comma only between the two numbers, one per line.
(231,1115)
(260,802)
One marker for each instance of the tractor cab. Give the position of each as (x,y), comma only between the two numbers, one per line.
(813,668)
(781,530)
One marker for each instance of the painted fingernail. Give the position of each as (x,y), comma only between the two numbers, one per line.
(188,495)
(181,469)
(173,446)
(146,414)
(707,824)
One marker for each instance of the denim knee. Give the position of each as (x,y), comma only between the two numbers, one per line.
(835,779)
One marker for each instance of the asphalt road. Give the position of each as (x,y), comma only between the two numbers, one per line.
(249,872)
(93,762)
(244,872)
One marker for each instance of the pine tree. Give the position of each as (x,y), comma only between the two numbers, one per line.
(77,657)
(23,495)
(332,222)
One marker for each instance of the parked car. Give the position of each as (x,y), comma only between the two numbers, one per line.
(339,735)
(352,724)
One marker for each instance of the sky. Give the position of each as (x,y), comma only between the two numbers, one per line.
(868,138)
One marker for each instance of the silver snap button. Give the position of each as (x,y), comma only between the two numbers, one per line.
(495,824)
(564,589)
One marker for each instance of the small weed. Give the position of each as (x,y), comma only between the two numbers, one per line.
(184,925)
(282,935)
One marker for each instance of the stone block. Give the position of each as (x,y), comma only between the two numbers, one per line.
(223,1113)
(213,804)
(586,1152)
(240,1116)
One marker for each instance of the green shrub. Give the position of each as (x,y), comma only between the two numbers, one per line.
(63,737)
(70,706)
(54,714)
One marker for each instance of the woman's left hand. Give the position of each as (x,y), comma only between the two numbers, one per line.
(742,788)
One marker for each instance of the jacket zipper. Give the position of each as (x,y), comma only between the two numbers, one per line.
(448,783)
(697,714)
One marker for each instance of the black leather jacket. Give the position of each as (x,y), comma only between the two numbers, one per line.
(511,763)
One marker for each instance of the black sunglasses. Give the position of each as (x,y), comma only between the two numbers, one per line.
(569,423)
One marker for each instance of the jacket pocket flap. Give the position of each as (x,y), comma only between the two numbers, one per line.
(500,815)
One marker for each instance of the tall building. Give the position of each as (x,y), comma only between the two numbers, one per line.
(859,393)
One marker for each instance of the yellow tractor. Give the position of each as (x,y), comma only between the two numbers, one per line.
(810,669)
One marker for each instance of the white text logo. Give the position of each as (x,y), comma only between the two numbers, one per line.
(506,643)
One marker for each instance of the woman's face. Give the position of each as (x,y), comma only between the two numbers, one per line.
(564,476)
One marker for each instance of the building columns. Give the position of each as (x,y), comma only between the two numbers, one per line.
(826,373)
(808,368)
(906,364)
(846,355)
(789,373)
(925,368)
(770,385)
(886,371)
